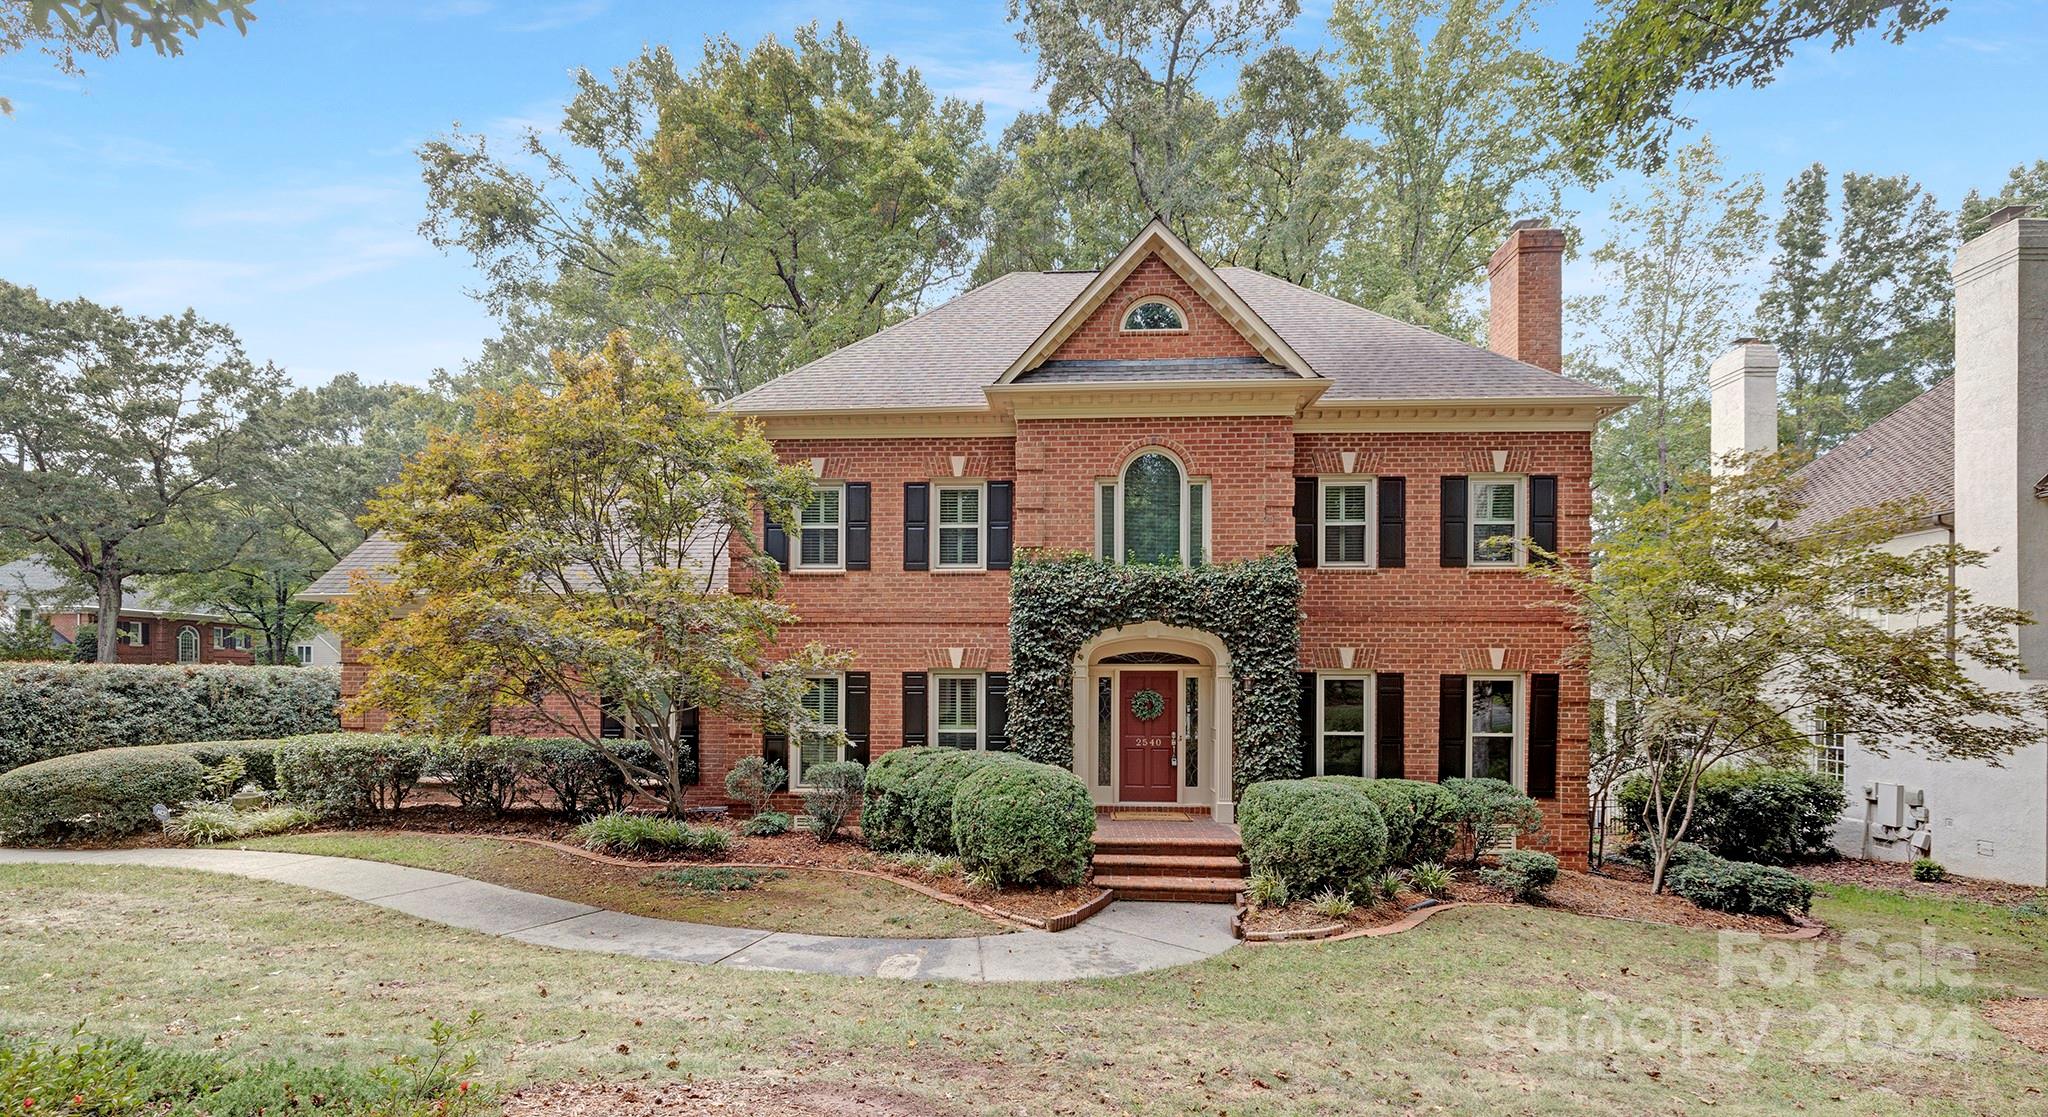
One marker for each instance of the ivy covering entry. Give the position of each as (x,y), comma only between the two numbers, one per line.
(1057,604)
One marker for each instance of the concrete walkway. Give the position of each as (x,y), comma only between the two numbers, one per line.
(1126,938)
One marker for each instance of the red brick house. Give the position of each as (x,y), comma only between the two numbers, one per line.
(1164,411)
(147,630)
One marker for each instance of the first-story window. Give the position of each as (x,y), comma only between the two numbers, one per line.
(824,705)
(1497,520)
(1490,745)
(188,645)
(303,653)
(822,526)
(956,711)
(1341,718)
(1831,754)
(132,633)
(960,527)
(1347,522)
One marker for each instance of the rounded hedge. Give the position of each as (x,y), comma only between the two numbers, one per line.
(1421,818)
(929,791)
(885,821)
(108,793)
(1024,823)
(1313,834)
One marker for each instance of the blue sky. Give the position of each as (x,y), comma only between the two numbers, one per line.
(269,181)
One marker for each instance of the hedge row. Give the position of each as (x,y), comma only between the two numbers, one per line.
(1773,816)
(56,709)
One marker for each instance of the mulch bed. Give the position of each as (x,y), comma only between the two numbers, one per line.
(1897,876)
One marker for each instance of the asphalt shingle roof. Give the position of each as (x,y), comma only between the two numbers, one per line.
(371,556)
(1909,453)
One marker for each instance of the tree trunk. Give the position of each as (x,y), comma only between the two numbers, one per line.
(108,627)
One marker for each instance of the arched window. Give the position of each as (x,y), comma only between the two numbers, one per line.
(1154,314)
(1153,513)
(188,645)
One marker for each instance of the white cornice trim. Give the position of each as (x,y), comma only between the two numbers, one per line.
(1566,413)
(1157,239)
(879,422)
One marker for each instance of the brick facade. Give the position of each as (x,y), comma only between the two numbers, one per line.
(162,643)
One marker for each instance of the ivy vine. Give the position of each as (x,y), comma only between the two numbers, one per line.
(1059,603)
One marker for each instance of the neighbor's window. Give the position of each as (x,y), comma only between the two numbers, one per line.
(823,705)
(1341,714)
(1347,523)
(303,653)
(228,639)
(960,527)
(1496,510)
(822,525)
(1154,314)
(956,713)
(1831,754)
(188,645)
(1490,747)
(132,633)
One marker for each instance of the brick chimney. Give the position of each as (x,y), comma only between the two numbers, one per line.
(1527,318)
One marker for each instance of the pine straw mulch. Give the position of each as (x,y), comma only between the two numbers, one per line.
(2025,1019)
(605,1099)
(1897,876)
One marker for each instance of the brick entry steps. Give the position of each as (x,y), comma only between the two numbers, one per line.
(1194,861)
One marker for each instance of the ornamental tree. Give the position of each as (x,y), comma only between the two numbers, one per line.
(583,552)
(1727,635)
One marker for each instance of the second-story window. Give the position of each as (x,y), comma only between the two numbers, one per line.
(1347,522)
(1153,513)
(961,524)
(1498,526)
(823,526)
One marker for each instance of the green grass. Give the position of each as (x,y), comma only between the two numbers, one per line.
(1375,1026)
(810,902)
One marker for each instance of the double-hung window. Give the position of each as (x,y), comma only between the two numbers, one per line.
(1494,728)
(303,653)
(1499,511)
(822,530)
(1831,754)
(822,743)
(1347,522)
(1342,719)
(956,711)
(132,633)
(962,527)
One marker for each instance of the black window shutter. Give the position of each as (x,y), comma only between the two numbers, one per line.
(689,725)
(142,629)
(1308,724)
(1393,521)
(1001,502)
(858,529)
(775,748)
(610,725)
(916,709)
(1390,733)
(1307,492)
(917,525)
(996,702)
(774,540)
(1543,513)
(1455,534)
(857,716)
(1542,737)
(1450,726)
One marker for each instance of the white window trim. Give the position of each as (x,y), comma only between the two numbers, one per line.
(796,745)
(796,542)
(980,705)
(1113,550)
(1369,761)
(1521,483)
(1518,743)
(129,633)
(980,527)
(1372,513)
(1123,319)
(182,633)
(1822,737)
(304,653)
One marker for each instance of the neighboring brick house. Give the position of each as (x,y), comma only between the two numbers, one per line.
(147,631)
(1163,411)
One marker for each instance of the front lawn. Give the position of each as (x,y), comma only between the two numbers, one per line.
(794,899)
(1479,1011)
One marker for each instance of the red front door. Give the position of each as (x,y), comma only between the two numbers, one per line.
(1145,743)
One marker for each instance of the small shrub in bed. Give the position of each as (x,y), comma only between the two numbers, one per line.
(755,780)
(767,824)
(1491,813)
(1522,873)
(1742,887)
(483,773)
(1332,904)
(350,776)
(108,793)
(831,795)
(1928,870)
(629,834)
(1266,891)
(1431,879)
(582,780)
(1421,818)
(1024,823)
(1315,835)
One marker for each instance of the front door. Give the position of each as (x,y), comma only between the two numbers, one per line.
(1146,721)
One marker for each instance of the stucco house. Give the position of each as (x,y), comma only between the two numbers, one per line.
(1974,448)
(1161,410)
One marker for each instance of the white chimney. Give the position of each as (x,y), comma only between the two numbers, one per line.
(2002,419)
(1744,381)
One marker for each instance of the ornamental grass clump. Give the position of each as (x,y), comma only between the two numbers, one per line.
(211,823)
(629,834)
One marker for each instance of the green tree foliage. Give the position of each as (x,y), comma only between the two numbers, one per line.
(1725,636)
(65,30)
(2024,185)
(1296,194)
(766,207)
(1859,302)
(1670,296)
(123,438)
(1640,58)
(1458,111)
(573,544)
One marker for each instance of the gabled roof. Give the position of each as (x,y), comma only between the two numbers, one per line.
(1909,453)
(36,581)
(943,359)
(373,556)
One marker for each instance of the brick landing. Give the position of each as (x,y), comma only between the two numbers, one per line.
(1195,861)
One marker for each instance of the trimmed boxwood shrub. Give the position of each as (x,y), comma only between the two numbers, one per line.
(1421,818)
(831,795)
(55,709)
(885,816)
(104,794)
(1024,823)
(1522,873)
(483,773)
(1774,816)
(926,822)
(349,776)
(1313,834)
(1738,886)
(1491,813)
